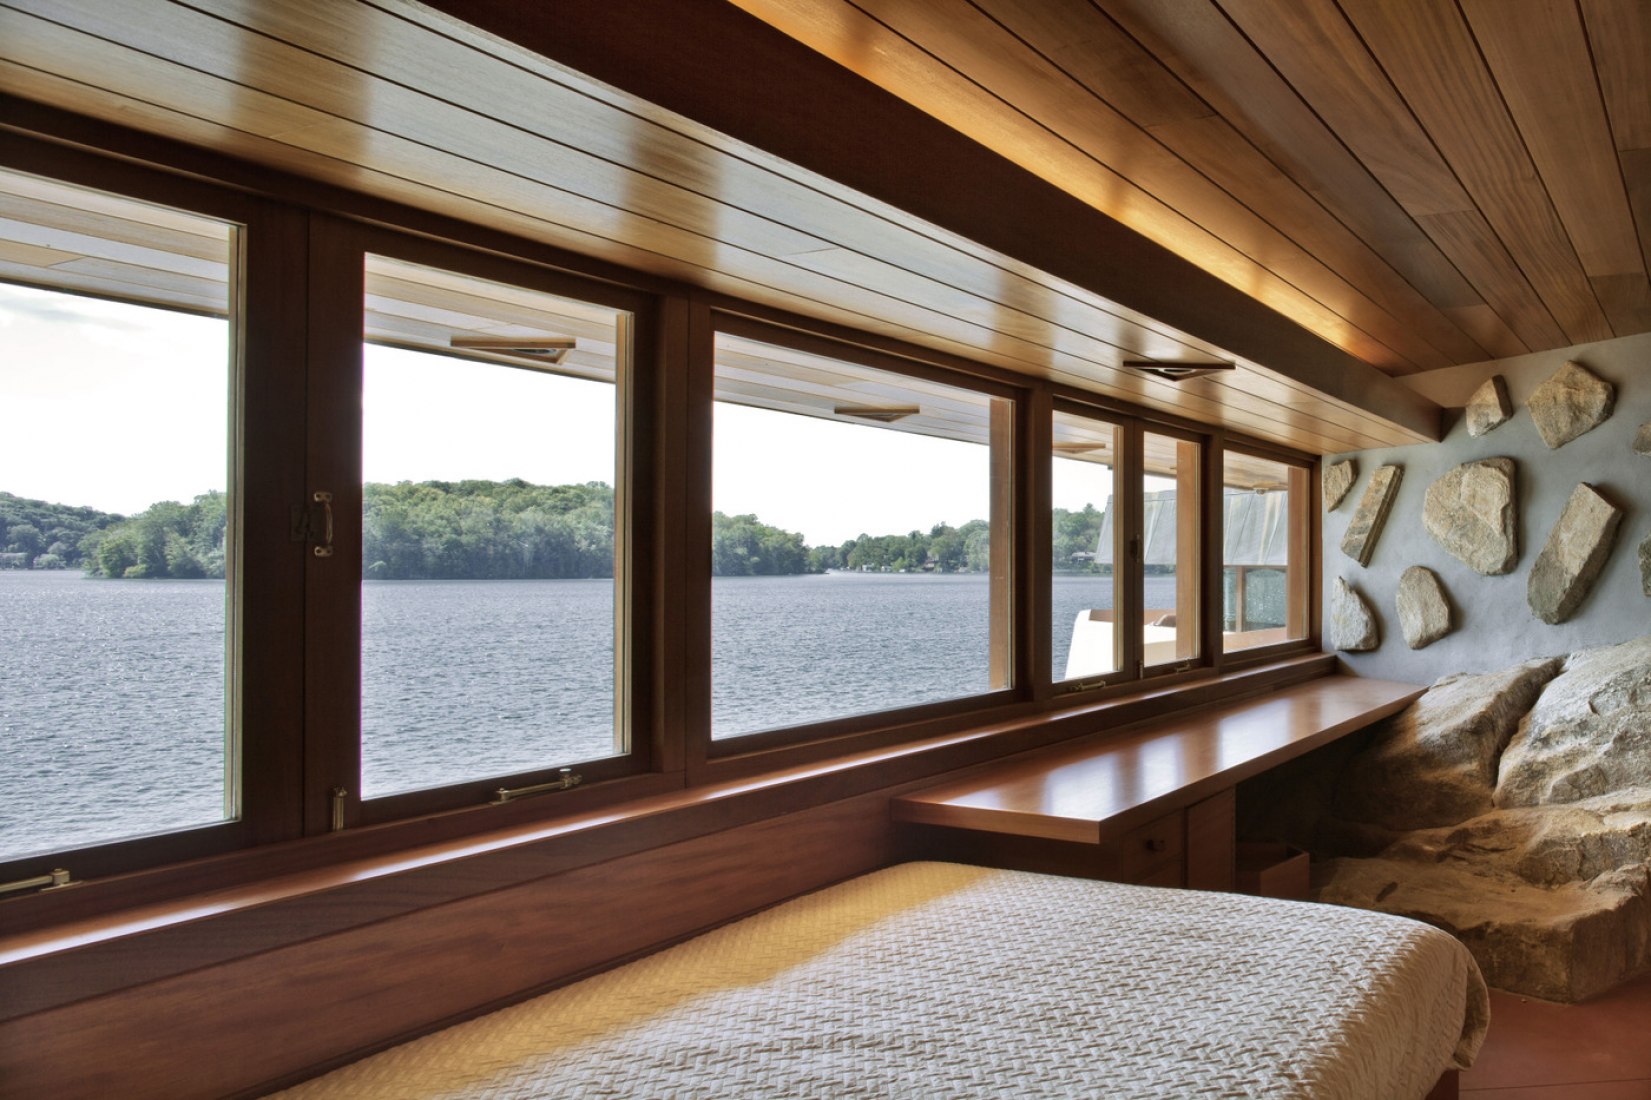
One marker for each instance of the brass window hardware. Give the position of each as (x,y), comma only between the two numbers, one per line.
(54,880)
(312,524)
(567,780)
(339,794)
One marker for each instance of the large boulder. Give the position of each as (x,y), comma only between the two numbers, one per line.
(1533,847)
(1471,512)
(1588,735)
(1434,763)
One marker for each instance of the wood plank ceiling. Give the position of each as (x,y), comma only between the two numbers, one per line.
(401,101)
(1423,183)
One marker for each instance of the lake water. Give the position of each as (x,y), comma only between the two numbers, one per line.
(111,692)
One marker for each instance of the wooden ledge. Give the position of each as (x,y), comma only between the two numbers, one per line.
(71,960)
(1091,790)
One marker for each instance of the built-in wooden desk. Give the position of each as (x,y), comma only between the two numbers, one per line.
(1154,805)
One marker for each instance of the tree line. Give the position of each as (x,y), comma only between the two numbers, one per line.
(495,530)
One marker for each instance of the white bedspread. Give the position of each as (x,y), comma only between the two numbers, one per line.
(937,980)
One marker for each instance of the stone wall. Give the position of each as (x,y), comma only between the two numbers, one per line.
(1492,624)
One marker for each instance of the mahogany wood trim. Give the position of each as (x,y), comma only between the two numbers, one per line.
(1212,842)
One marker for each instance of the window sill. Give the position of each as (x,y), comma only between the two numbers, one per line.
(46,962)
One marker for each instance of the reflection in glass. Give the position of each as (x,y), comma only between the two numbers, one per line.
(1169,549)
(1258,600)
(1085,638)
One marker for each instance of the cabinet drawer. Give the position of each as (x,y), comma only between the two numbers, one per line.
(1144,852)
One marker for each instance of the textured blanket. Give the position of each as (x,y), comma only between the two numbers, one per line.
(937,980)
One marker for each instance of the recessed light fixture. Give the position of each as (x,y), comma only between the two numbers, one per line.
(549,349)
(1175,372)
(883,414)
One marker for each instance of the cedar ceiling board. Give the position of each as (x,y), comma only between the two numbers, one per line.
(214,136)
(1301,430)
(100,208)
(90,244)
(820,127)
(1216,61)
(342,32)
(1538,53)
(1482,256)
(1215,149)
(115,273)
(1432,58)
(474,314)
(104,227)
(33,255)
(1620,34)
(316,130)
(1636,173)
(1068,139)
(103,287)
(1357,101)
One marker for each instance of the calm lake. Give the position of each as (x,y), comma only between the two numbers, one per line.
(111,692)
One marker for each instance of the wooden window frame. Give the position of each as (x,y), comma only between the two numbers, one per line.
(1305,566)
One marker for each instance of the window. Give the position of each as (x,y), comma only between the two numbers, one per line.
(1087,639)
(1170,530)
(118,528)
(859,539)
(1263,590)
(489,556)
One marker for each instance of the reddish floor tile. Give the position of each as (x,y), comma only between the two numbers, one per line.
(1590,1090)
(1604,1043)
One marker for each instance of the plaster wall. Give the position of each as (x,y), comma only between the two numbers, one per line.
(1494,625)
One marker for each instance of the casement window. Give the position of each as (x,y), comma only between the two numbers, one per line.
(1264,551)
(861,517)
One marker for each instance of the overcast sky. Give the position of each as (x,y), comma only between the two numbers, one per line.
(118,407)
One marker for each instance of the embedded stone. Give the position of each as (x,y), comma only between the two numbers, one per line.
(1588,735)
(1366,526)
(1435,762)
(1352,626)
(1576,551)
(1642,439)
(1645,564)
(1573,401)
(1488,408)
(1424,613)
(1338,478)
(1471,512)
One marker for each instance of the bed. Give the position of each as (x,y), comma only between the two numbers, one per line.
(934,979)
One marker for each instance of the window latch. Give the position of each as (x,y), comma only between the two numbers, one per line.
(313,523)
(56,879)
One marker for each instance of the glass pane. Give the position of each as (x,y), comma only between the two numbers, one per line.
(854,557)
(487,597)
(115,539)
(1169,558)
(1084,540)
(1258,600)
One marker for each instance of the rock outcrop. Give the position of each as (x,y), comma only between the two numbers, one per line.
(1366,525)
(1470,511)
(1424,612)
(1488,408)
(1575,553)
(1338,478)
(1570,403)
(1588,735)
(1512,809)
(1352,625)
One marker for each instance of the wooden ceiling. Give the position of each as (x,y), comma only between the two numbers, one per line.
(783,180)
(1423,183)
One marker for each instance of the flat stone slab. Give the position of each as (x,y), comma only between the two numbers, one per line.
(1576,551)
(1471,512)
(1489,407)
(1424,612)
(1366,526)
(1352,625)
(1642,439)
(1645,564)
(1571,402)
(1338,478)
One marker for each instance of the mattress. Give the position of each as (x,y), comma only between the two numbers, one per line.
(933,979)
